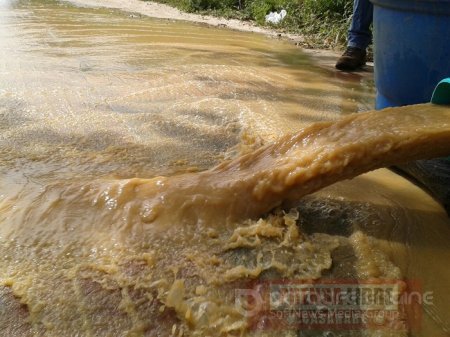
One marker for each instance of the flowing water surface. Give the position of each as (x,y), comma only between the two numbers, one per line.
(93,102)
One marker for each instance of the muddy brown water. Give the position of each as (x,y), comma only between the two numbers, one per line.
(94,102)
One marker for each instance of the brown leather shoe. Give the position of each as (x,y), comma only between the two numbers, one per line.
(352,59)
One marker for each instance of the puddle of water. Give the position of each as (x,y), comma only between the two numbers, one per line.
(162,87)
(92,94)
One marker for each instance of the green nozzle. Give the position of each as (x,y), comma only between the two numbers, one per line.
(441,94)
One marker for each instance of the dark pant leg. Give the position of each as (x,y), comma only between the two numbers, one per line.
(359,34)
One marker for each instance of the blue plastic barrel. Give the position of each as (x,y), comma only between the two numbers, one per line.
(412,49)
(412,54)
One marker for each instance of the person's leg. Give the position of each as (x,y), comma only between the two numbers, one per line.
(359,34)
(359,37)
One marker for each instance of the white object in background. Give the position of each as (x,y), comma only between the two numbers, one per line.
(275,18)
